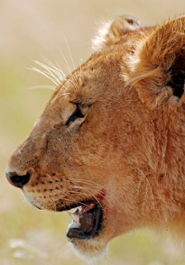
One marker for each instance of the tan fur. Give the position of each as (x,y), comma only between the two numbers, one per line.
(131,142)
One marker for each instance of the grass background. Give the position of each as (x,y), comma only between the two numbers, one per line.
(29,29)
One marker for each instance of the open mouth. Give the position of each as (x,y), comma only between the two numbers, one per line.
(86,221)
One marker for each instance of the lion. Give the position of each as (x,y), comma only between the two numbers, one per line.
(111,141)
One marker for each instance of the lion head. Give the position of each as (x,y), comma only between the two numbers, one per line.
(111,140)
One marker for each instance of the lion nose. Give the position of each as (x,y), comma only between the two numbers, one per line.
(18,181)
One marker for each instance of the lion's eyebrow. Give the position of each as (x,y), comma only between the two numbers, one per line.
(50,70)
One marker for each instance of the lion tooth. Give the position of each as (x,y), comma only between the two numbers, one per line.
(75,217)
(73,224)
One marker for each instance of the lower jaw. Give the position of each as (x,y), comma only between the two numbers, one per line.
(91,248)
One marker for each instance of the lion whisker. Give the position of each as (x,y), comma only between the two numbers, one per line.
(69,50)
(73,76)
(80,67)
(84,181)
(44,73)
(90,185)
(42,86)
(67,64)
(50,71)
(55,208)
(72,200)
(60,70)
(70,55)
(56,69)
(66,250)
(86,193)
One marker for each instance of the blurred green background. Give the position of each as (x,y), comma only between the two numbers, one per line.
(28,30)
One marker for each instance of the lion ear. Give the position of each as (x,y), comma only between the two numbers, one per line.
(110,32)
(159,74)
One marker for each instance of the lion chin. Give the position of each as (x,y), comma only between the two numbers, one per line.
(109,146)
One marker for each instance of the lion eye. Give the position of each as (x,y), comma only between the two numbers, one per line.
(79,113)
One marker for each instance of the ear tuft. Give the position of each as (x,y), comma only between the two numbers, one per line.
(159,73)
(111,32)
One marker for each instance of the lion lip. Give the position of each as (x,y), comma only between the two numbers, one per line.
(86,221)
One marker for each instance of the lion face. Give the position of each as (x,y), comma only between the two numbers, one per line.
(100,143)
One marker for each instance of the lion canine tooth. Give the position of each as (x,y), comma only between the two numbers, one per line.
(73,224)
(75,216)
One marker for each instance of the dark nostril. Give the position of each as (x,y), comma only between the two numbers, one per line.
(18,181)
